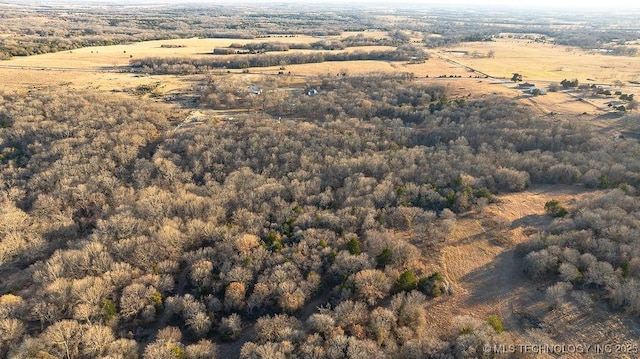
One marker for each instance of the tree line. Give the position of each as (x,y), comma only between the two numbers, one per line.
(591,249)
(164,65)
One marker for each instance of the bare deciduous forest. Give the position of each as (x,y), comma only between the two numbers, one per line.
(303,216)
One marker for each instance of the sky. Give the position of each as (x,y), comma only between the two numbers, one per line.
(616,5)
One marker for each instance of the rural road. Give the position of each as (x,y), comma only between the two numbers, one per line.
(459,64)
(66,69)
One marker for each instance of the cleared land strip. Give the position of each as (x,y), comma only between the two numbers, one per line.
(468,68)
(65,69)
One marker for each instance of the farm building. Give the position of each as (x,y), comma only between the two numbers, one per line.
(537,91)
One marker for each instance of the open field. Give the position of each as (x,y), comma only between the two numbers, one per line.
(23,79)
(432,68)
(480,261)
(97,67)
(120,55)
(543,64)
(481,239)
(544,61)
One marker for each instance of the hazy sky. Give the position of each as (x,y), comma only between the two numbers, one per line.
(616,5)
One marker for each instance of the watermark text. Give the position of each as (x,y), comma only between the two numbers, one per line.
(557,349)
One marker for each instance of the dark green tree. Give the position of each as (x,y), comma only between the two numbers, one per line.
(555,209)
(354,246)
(384,258)
(407,281)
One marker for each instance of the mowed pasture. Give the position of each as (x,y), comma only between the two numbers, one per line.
(120,55)
(543,61)
(432,68)
(543,64)
(97,67)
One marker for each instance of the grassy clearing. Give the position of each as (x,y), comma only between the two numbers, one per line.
(486,274)
(476,241)
(538,61)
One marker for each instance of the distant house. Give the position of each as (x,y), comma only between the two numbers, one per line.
(312,92)
(537,91)
(416,60)
(526,85)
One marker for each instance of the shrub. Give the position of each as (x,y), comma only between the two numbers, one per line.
(407,281)
(354,246)
(555,209)
(273,242)
(432,285)
(109,310)
(178,352)
(495,322)
(384,258)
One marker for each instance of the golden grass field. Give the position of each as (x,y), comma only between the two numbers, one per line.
(538,61)
(542,64)
(487,274)
(91,67)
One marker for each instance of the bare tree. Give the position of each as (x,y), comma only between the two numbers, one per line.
(204,349)
(96,339)
(63,338)
(234,296)
(371,285)
(556,294)
(280,327)
(231,326)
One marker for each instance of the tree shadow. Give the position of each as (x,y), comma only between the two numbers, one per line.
(16,273)
(610,116)
(531,220)
(500,280)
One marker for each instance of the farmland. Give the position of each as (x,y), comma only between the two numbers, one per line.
(540,63)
